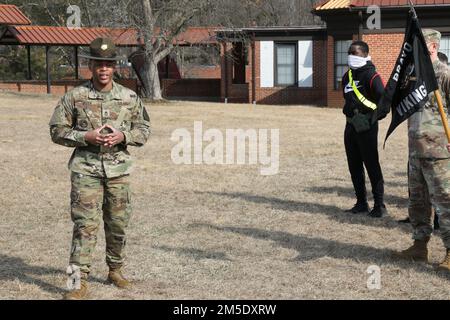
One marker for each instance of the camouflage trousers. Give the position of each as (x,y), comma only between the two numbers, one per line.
(92,198)
(429,184)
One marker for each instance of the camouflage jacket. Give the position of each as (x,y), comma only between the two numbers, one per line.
(426,133)
(84,109)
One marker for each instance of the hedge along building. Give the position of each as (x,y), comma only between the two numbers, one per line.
(304,65)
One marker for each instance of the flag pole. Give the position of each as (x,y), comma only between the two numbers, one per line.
(437,93)
(411,6)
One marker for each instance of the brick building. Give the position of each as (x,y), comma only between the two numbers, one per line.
(263,65)
(304,65)
(281,65)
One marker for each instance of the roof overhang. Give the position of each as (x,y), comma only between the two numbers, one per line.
(236,34)
(332,7)
(63,36)
(11,15)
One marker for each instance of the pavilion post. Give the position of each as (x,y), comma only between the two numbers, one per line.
(77,74)
(47,61)
(253,71)
(29,77)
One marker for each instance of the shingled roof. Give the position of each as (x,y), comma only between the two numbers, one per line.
(63,36)
(11,15)
(344,4)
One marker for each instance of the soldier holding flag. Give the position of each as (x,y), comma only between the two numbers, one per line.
(429,160)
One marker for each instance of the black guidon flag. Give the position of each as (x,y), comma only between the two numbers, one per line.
(412,79)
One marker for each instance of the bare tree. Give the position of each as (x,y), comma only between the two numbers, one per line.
(246,13)
(162,22)
(158,24)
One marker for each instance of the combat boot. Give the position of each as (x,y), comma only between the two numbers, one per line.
(417,252)
(116,278)
(78,294)
(445,265)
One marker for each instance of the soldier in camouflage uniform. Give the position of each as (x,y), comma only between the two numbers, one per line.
(429,165)
(100,119)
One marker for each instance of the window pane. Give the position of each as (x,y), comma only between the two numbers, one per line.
(340,71)
(286,54)
(285,64)
(286,75)
(445,46)
(341,60)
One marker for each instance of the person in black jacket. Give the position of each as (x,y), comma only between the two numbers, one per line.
(361,131)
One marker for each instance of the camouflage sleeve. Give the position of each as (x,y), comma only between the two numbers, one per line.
(140,126)
(61,125)
(445,84)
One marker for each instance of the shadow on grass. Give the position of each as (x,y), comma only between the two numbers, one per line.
(333,212)
(312,248)
(388,183)
(195,253)
(350,193)
(13,268)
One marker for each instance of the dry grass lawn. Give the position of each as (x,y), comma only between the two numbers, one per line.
(213,232)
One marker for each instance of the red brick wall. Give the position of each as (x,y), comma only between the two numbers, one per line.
(209,88)
(202,72)
(59,88)
(384,50)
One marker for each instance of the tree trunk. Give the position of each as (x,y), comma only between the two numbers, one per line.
(150,77)
(154,80)
(146,80)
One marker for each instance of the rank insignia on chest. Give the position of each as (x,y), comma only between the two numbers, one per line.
(106,114)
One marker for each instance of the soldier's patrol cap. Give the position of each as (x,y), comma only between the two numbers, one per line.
(102,49)
(431,35)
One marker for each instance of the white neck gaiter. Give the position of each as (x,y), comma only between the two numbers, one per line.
(355,62)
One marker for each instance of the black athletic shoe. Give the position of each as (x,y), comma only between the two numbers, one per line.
(359,207)
(378,211)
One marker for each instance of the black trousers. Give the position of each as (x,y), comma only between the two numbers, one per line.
(362,150)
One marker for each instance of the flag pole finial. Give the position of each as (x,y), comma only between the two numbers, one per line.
(412,9)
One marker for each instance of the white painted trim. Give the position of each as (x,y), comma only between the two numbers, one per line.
(267,64)
(305,63)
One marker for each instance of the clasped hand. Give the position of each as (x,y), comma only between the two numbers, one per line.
(109,140)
